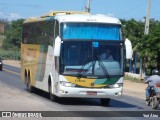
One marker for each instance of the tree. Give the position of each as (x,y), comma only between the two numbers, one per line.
(13,35)
(147,46)
(133,30)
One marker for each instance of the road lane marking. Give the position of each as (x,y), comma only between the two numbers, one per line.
(11,72)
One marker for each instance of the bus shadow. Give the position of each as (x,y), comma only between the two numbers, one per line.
(121,104)
(96,102)
(85,101)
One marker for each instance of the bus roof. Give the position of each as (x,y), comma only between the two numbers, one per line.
(74,16)
(34,19)
(87,18)
(54,13)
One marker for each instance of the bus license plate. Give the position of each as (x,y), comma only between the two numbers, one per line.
(91,93)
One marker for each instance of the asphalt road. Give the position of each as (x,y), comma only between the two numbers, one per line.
(15,97)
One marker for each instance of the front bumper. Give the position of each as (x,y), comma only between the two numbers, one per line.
(83,92)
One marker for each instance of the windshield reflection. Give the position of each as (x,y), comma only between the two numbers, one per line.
(86,58)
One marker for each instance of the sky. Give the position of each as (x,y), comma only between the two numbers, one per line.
(122,9)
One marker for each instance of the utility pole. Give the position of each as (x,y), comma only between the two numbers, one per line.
(146,31)
(87,8)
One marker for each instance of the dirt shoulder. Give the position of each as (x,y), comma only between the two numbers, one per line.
(130,88)
(134,89)
(12,63)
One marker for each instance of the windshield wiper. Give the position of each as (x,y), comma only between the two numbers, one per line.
(82,71)
(104,69)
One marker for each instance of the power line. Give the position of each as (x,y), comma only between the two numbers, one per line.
(138,5)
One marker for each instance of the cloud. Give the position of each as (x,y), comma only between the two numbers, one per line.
(20,5)
(10,16)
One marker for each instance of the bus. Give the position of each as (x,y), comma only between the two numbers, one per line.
(61,54)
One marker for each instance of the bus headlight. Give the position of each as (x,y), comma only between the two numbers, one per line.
(117,85)
(67,84)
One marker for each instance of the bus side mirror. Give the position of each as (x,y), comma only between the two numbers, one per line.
(57,46)
(129,50)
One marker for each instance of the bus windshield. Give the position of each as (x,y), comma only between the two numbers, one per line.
(91,59)
(85,49)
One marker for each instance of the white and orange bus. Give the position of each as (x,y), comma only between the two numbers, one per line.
(60,54)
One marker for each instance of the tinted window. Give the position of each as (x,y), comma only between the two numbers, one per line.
(38,33)
(90,31)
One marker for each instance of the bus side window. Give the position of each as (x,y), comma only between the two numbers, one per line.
(56,29)
(24,35)
(50,32)
(56,33)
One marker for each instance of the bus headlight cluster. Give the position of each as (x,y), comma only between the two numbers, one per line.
(67,84)
(117,85)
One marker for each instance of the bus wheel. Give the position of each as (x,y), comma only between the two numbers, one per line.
(105,101)
(52,97)
(29,86)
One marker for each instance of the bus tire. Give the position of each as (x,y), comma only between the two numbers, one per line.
(52,97)
(105,101)
(28,84)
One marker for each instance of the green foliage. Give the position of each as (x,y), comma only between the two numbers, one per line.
(11,40)
(15,55)
(1,40)
(147,46)
(13,36)
(133,30)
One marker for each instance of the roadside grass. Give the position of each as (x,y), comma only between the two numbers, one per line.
(9,54)
(133,79)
